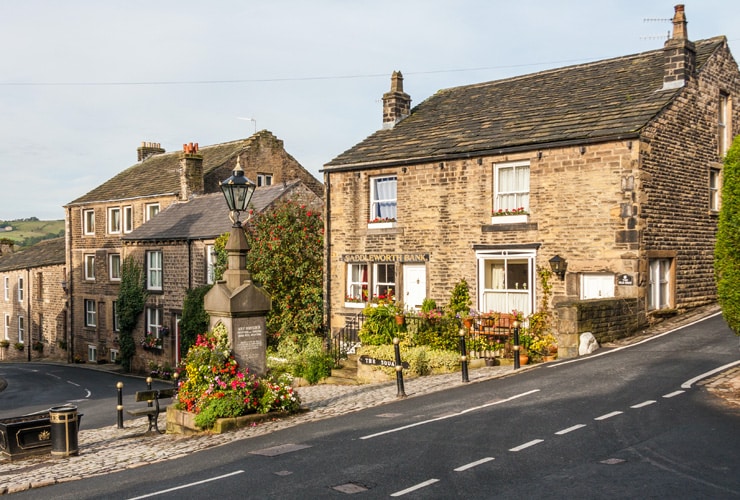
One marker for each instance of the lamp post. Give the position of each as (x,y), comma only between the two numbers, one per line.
(238,191)
(235,301)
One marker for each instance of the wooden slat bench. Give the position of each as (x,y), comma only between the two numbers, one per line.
(152,412)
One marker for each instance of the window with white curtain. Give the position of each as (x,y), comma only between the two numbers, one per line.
(659,287)
(511,186)
(154,321)
(384,278)
(357,283)
(506,280)
(383,199)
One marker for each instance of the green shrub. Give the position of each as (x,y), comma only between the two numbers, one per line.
(726,255)
(421,359)
(301,357)
(379,326)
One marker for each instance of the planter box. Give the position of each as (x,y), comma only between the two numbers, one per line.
(183,422)
(21,437)
(509,219)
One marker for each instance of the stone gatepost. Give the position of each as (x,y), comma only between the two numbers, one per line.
(241,306)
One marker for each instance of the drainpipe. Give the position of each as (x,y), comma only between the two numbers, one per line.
(327,255)
(70,290)
(27,298)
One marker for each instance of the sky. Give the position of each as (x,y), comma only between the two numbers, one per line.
(84,82)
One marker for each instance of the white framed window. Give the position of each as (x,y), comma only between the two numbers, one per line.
(113,355)
(114,266)
(715,188)
(154,270)
(114,220)
(128,219)
(21,289)
(90,313)
(92,353)
(6,281)
(384,280)
(21,329)
(150,211)
(358,289)
(511,186)
(6,327)
(659,286)
(505,280)
(90,266)
(88,222)
(724,132)
(383,199)
(264,180)
(114,316)
(154,321)
(597,285)
(210,264)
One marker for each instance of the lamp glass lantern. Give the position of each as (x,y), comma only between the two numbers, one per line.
(558,266)
(238,191)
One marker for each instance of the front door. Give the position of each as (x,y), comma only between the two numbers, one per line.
(414,285)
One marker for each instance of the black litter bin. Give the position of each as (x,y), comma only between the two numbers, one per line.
(64,427)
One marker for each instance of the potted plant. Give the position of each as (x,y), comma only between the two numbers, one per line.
(4,343)
(20,346)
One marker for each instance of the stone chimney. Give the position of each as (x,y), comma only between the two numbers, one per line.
(679,54)
(396,103)
(148,149)
(191,172)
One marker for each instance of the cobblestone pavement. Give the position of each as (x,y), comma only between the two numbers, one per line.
(110,449)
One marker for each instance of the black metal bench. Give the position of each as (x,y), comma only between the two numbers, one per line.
(152,412)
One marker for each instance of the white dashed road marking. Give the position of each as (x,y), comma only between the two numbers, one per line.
(608,415)
(527,445)
(570,429)
(473,464)
(672,394)
(414,488)
(644,403)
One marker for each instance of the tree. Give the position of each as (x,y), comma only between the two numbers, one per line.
(286,258)
(131,301)
(727,248)
(194,319)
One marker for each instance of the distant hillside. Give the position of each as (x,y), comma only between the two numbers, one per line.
(27,232)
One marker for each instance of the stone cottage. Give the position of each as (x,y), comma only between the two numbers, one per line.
(34,303)
(182,239)
(609,171)
(97,222)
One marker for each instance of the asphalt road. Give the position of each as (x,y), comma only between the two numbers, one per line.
(627,423)
(36,387)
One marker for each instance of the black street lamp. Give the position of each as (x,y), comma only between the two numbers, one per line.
(238,191)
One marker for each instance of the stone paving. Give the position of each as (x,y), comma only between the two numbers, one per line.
(110,449)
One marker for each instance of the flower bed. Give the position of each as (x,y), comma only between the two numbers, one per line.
(212,386)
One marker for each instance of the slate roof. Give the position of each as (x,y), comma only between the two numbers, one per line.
(203,217)
(159,174)
(44,253)
(589,102)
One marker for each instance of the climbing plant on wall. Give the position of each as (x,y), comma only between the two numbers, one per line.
(131,300)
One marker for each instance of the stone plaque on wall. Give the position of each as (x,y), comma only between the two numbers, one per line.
(249,342)
(625,280)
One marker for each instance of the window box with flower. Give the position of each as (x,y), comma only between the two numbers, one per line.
(509,215)
(151,342)
(381,223)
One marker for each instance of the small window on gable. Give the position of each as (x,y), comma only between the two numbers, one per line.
(88,222)
(715,187)
(724,124)
(264,180)
(114,220)
(151,210)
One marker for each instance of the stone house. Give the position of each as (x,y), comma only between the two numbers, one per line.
(612,168)
(182,237)
(34,303)
(97,221)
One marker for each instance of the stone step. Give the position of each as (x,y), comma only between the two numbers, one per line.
(346,374)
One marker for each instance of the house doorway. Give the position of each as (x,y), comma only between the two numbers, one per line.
(414,285)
